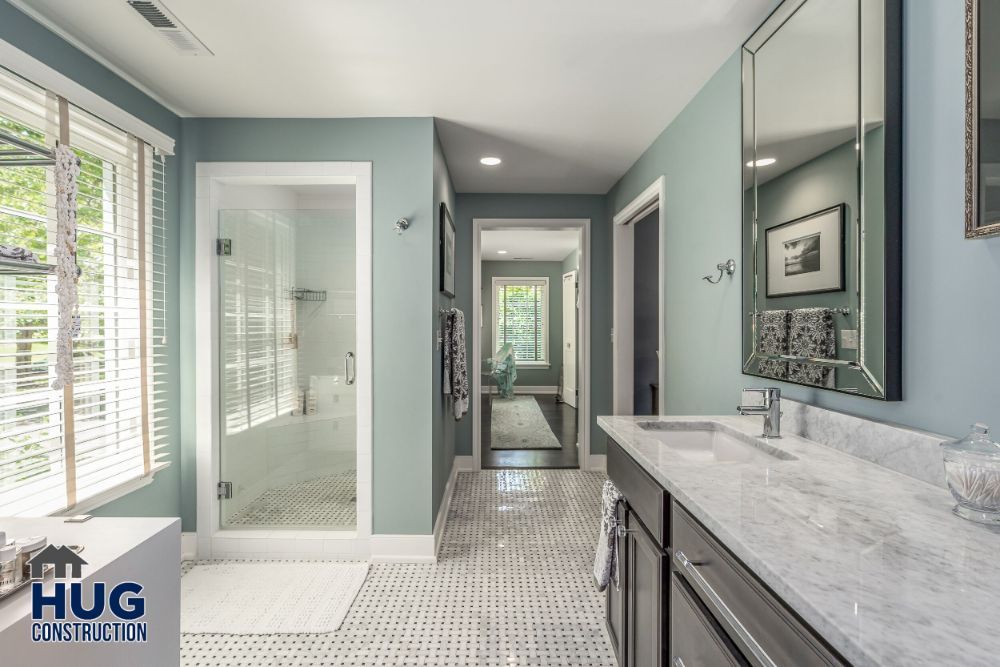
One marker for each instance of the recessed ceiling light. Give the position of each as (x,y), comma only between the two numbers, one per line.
(763,162)
(501,252)
(490,161)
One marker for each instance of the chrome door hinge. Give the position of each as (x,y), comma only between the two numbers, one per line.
(223,247)
(224,490)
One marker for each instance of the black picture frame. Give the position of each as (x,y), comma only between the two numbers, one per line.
(841,273)
(446,252)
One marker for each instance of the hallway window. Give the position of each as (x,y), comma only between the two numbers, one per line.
(521,315)
(62,447)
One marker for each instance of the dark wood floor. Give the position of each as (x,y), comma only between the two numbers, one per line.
(562,421)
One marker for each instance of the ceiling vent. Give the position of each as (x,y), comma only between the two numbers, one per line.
(169,26)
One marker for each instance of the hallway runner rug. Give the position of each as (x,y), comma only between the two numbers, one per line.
(518,423)
(268,597)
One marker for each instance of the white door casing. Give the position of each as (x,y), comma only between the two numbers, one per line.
(569,338)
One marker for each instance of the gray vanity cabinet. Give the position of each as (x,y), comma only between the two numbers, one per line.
(685,600)
(696,640)
(637,614)
(646,599)
(615,605)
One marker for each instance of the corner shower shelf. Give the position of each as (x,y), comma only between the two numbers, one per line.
(300,294)
(17,267)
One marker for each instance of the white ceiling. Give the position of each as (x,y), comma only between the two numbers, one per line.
(567,92)
(805,81)
(528,244)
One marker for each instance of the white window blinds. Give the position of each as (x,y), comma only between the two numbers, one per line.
(258,324)
(521,317)
(52,457)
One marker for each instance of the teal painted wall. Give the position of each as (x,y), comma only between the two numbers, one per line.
(949,283)
(531,377)
(444,420)
(470,206)
(162,496)
(401,150)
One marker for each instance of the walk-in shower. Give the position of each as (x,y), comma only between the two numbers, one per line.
(286,353)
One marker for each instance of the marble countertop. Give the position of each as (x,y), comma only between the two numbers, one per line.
(873,560)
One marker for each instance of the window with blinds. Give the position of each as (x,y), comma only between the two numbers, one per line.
(521,317)
(260,376)
(62,447)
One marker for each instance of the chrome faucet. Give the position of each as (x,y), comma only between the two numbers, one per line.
(765,402)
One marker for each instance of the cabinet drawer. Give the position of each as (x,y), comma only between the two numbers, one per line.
(695,639)
(746,609)
(644,495)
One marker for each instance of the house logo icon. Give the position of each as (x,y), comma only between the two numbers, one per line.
(61,559)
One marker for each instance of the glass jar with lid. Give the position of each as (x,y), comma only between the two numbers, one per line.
(972,470)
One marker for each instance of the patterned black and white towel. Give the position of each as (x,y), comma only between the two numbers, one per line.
(456,376)
(606,558)
(773,339)
(17,253)
(811,333)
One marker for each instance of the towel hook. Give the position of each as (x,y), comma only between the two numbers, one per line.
(728,268)
(401,225)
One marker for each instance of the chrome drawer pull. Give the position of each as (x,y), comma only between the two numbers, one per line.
(759,655)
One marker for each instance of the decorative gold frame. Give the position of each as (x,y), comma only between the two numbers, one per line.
(973,230)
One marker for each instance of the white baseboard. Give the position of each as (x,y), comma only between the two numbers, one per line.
(464,463)
(441,520)
(189,546)
(528,389)
(403,549)
(598,463)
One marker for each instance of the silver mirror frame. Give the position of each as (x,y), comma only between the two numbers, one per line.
(973,230)
(890,388)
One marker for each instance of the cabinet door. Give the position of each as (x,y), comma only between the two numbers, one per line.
(615,607)
(696,640)
(645,600)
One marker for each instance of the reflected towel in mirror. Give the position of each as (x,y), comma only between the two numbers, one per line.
(812,333)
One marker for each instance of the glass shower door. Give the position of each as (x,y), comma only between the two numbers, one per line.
(287,335)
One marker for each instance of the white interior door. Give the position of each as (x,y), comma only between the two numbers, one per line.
(569,338)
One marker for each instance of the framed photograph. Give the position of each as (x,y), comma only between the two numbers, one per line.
(447,252)
(806,255)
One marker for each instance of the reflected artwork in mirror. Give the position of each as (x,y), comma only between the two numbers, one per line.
(982,118)
(822,165)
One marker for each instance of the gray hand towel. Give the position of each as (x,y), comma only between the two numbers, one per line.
(606,559)
(812,333)
(773,339)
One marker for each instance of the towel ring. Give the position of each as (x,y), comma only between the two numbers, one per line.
(728,268)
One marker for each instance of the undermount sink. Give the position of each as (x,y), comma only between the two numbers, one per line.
(707,442)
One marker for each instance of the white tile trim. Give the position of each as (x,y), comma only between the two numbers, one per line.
(403,549)
(449,490)
(212,541)
(189,546)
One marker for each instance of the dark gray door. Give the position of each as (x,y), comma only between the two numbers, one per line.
(645,625)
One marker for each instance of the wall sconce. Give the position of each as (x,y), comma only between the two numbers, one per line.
(401,225)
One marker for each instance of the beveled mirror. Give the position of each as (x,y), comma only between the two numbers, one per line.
(822,165)
(982,118)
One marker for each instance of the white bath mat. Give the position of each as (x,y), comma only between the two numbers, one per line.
(268,597)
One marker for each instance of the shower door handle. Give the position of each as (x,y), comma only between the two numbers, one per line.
(349,368)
